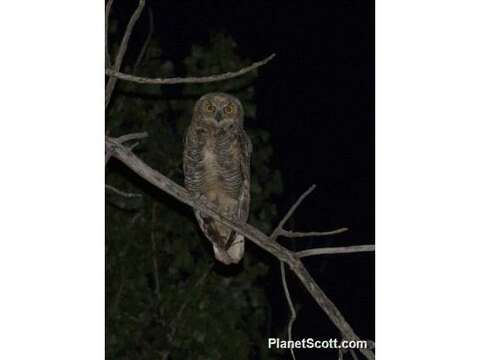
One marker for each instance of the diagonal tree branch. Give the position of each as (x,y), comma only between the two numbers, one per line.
(141,54)
(336,250)
(175,321)
(133,136)
(122,139)
(115,74)
(154,250)
(354,356)
(295,234)
(123,48)
(126,156)
(107,18)
(293,313)
(290,212)
(121,193)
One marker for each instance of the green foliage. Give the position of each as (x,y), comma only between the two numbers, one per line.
(165,293)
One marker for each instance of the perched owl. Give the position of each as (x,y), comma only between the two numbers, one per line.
(216,165)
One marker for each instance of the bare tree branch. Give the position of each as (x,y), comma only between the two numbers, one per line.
(115,74)
(123,48)
(295,234)
(141,54)
(293,313)
(336,250)
(354,356)
(118,295)
(157,179)
(133,136)
(174,323)
(290,212)
(120,192)
(154,251)
(121,140)
(108,155)
(107,18)
(134,145)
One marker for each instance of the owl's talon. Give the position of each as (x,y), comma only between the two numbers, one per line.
(197,197)
(204,200)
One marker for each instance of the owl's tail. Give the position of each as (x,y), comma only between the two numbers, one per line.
(228,246)
(232,254)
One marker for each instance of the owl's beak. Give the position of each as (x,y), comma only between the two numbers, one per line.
(218,116)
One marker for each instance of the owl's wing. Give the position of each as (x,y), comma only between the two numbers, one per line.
(236,242)
(228,245)
(192,171)
(244,199)
(191,161)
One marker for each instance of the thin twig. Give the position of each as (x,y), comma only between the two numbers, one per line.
(290,212)
(151,29)
(293,313)
(134,145)
(354,356)
(174,323)
(133,136)
(184,80)
(162,182)
(336,250)
(107,18)
(121,52)
(118,141)
(120,192)
(108,155)
(154,251)
(118,295)
(295,234)
(141,54)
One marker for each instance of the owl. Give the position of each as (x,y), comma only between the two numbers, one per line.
(216,165)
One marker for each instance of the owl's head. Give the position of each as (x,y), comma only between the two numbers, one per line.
(219,110)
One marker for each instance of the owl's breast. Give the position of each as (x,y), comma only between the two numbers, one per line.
(221,169)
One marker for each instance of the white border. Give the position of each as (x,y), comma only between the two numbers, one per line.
(427,161)
(51,186)
(51,182)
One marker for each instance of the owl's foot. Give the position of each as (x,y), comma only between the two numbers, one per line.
(230,211)
(198,197)
(202,199)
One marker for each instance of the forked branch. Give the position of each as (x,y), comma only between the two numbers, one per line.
(123,48)
(125,155)
(293,313)
(107,19)
(121,140)
(115,74)
(143,50)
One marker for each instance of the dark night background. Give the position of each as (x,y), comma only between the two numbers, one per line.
(316,98)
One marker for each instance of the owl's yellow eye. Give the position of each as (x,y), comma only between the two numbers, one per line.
(229,109)
(210,108)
